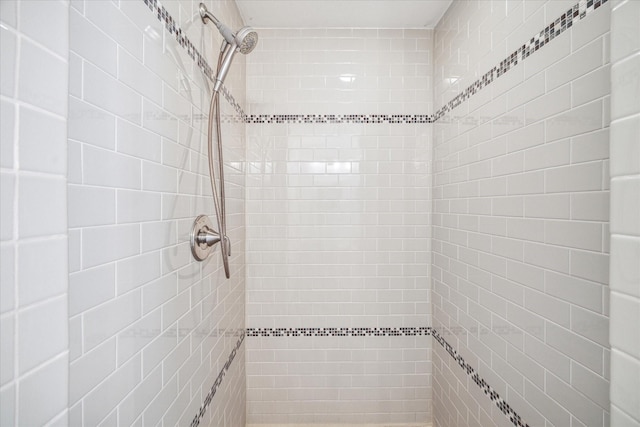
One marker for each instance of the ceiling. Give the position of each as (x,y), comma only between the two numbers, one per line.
(342,13)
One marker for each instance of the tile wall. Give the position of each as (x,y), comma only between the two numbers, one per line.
(338,227)
(151,329)
(625,221)
(520,218)
(33,221)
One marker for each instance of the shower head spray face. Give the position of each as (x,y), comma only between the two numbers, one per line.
(246,39)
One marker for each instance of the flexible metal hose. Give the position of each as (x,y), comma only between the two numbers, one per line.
(218,203)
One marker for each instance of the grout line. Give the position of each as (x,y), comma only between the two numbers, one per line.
(504,407)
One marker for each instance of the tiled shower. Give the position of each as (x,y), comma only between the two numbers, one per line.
(429,226)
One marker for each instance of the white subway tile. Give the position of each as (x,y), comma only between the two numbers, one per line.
(46,22)
(137,142)
(106,92)
(109,243)
(115,23)
(107,319)
(590,266)
(624,219)
(579,120)
(594,85)
(41,334)
(132,339)
(547,155)
(35,194)
(41,79)
(550,104)
(137,206)
(90,124)
(625,151)
(7,142)
(590,206)
(7,326)
(592,146)
(91,369)
(581,235)
(625,85)
(560,48)
(574,178)
(41,277)
(136,271)
(7,278)
(625,372)
(580,62)
(158,292)
(52,399)
(7,222)
(90,288)
(88,42)
(582,408)
(8,66)
(624,38)
(576,291)
(101,400)
(547,256)
(42,143)
(133,405)
(75,75)
(90,206)
(547,206)
(624,310)
(590,325)
(105,168)
(625,270)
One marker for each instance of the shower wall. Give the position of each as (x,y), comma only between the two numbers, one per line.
(338,195)
(33,224)
(520,214)
(151,329)
(625,214)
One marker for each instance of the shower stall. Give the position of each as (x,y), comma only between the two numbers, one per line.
(420,225)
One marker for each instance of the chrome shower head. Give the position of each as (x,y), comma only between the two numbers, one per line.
(246,39)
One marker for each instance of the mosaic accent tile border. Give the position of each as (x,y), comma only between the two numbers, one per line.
(216,384)
(504,407)
(338,332)
(578,12)
(174,30)
(339,118)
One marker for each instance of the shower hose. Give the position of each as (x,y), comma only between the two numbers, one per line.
(218,202)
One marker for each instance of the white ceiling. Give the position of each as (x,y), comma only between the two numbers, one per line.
(342,13)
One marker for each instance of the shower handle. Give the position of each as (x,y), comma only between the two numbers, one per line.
(203,237)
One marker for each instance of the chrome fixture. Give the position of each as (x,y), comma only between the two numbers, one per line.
(203,236)
(244,40)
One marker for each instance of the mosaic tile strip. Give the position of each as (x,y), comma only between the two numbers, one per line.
(174,30)
(338,332)
(553,30)
(576,13)
(339,118)
(217,382)
(504,407)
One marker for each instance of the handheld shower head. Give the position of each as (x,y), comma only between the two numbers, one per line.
(245,38)
(244,41)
